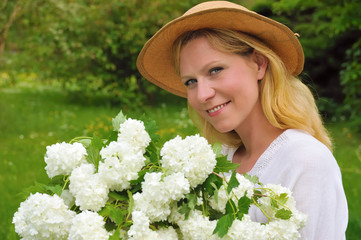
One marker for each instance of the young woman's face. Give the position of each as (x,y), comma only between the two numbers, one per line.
(222,87)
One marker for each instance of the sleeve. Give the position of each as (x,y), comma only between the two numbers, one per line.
(316,183)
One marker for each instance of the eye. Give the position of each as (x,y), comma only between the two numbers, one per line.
(215,70)
(190,82)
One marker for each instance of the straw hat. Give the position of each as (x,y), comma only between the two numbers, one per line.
(155,61)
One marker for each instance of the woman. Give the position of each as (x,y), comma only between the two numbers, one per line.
(239,70)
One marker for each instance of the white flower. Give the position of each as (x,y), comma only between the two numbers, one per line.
(282,230)
(157,194)
(245,186)
(140,229)
(192,156)
(120,165)
(43,216)
(266,203)
(246,230)
(62,158)
(176,186)
(89,190)
(197,227)
(168,233)
(88,225)
(133,132)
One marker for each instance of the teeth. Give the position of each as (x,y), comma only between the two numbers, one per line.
(216,108)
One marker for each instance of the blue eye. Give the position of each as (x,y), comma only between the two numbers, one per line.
(215,70)
(190,82)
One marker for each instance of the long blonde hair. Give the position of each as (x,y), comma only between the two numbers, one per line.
(286,101)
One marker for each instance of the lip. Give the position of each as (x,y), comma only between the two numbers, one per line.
(217,109)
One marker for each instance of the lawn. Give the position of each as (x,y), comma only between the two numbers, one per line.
(31,120)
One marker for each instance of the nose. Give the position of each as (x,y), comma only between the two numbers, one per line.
(205,90)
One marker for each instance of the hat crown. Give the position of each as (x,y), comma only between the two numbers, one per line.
(213,5)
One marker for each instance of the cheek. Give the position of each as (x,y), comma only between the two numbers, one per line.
(191,97)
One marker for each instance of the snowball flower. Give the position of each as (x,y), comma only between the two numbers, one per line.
(167,233)
(62,158)
(157,194)
(120,165)
(133,132)
(245,187)
(88,225)
(246,230)
(90,192)
(140,228)
(197,226)
(192,156)
(266,202)
(42,216)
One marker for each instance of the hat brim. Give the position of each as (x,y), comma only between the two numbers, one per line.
(155,61)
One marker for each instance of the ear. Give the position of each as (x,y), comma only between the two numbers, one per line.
(262,63)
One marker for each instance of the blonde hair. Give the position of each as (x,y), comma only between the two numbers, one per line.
(286,101)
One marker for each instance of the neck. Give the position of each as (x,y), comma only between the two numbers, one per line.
(256,134)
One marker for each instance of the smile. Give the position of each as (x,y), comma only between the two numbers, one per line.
(215,109)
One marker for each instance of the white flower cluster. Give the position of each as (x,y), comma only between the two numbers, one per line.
(193,156)
(158,193)
(62,158)
(187,163)
(184,165)
(43,217)
(197,226)
(282,229)
(88,225)
(90,192)
(140,229)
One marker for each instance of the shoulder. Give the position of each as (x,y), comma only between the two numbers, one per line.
(302,152)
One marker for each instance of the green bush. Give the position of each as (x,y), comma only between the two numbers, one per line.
(351,82)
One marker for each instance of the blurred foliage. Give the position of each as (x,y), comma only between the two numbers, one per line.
(90,46)
(330,33)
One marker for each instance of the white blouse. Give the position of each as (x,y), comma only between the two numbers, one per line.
(300,162)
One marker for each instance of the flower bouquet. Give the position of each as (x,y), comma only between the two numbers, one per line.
(129,187)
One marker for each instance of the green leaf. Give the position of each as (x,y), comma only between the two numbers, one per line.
(233,182)
(211,183)
(57,189)
(112,137)
(192,200)
(93,151)
(119,119)
(115,235)
(153,153)
(151,128)
(254,179)
(185,210)
(131,201)
(118,196)
(283,214)
(282,198)
(243,204)
(223,225)
(223,165)
(105,211)
(117,215)
(217,149)
(231,207)
(215,192)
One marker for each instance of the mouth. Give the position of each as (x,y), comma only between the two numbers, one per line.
(217,108)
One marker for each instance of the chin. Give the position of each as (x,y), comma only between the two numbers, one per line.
(223,129)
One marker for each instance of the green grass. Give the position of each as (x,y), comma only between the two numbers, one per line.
(31,120)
